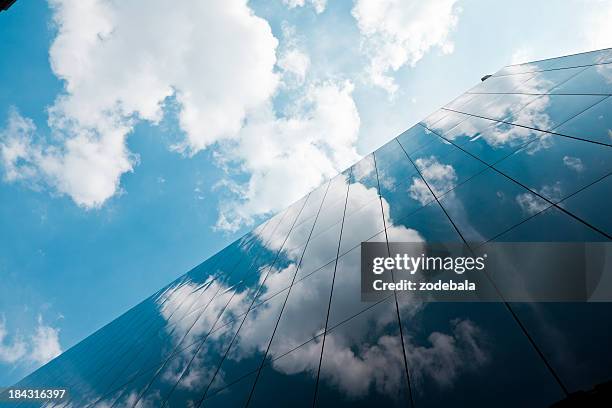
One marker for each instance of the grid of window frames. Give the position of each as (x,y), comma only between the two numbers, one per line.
(276,318)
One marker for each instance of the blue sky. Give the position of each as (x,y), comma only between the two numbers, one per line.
(134,145)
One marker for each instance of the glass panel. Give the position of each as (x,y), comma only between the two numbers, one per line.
(320,250)
(545,81)
(182,375)
(436,116)
(305,313)
(497,107)
(551,225)
(490,141)
(337,190)
(415,138)
(549,111)
(298,237)
(488,205)
(363,224)
(456,104)
(313,203)
(522,68)
(472,354)
(346,297)
(593,124)
(448,122)
(231,395)
(596,79)
(585,58)
(502,84)
(246,352)
(428,224)
(570,334)
(573,339)
(363,360)
(364,186)
(444,167)
(593,205)
(400,182)
(570,165)
(289,381)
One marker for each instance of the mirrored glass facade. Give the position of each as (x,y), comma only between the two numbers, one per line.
(275,319)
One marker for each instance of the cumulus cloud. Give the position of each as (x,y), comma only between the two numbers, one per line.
(523,54)
(10,352)
(293,61)
(223,92)
(574,163)
(45,343)
(288,156)
(531,204)
(318,5)
(37,349)
(399,32)
(18,156)
(440,177)
(598,30)
(448,354)
(119,65)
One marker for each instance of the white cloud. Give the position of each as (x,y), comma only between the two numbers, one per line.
(293,61)
(289,156)
(574,163)
(223,91)
(449,354)
(16,148)
(440,177)
(531,204)
(597,29)
(119,65)
(399,32)
(13,351)
(43,345)
(318,5)
(522,55)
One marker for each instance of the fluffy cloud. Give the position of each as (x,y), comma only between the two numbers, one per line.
(119,65)
(318,5)
(292,60)
(39,348)
(295,63)
(531,204)
(574,163)
(223,91)
(399,32)
(598,30)
(18,156)
(45,343)
(10,352)
(288,156)
(449,354)
(440,177)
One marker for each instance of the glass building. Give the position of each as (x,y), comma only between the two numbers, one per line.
(275,319)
